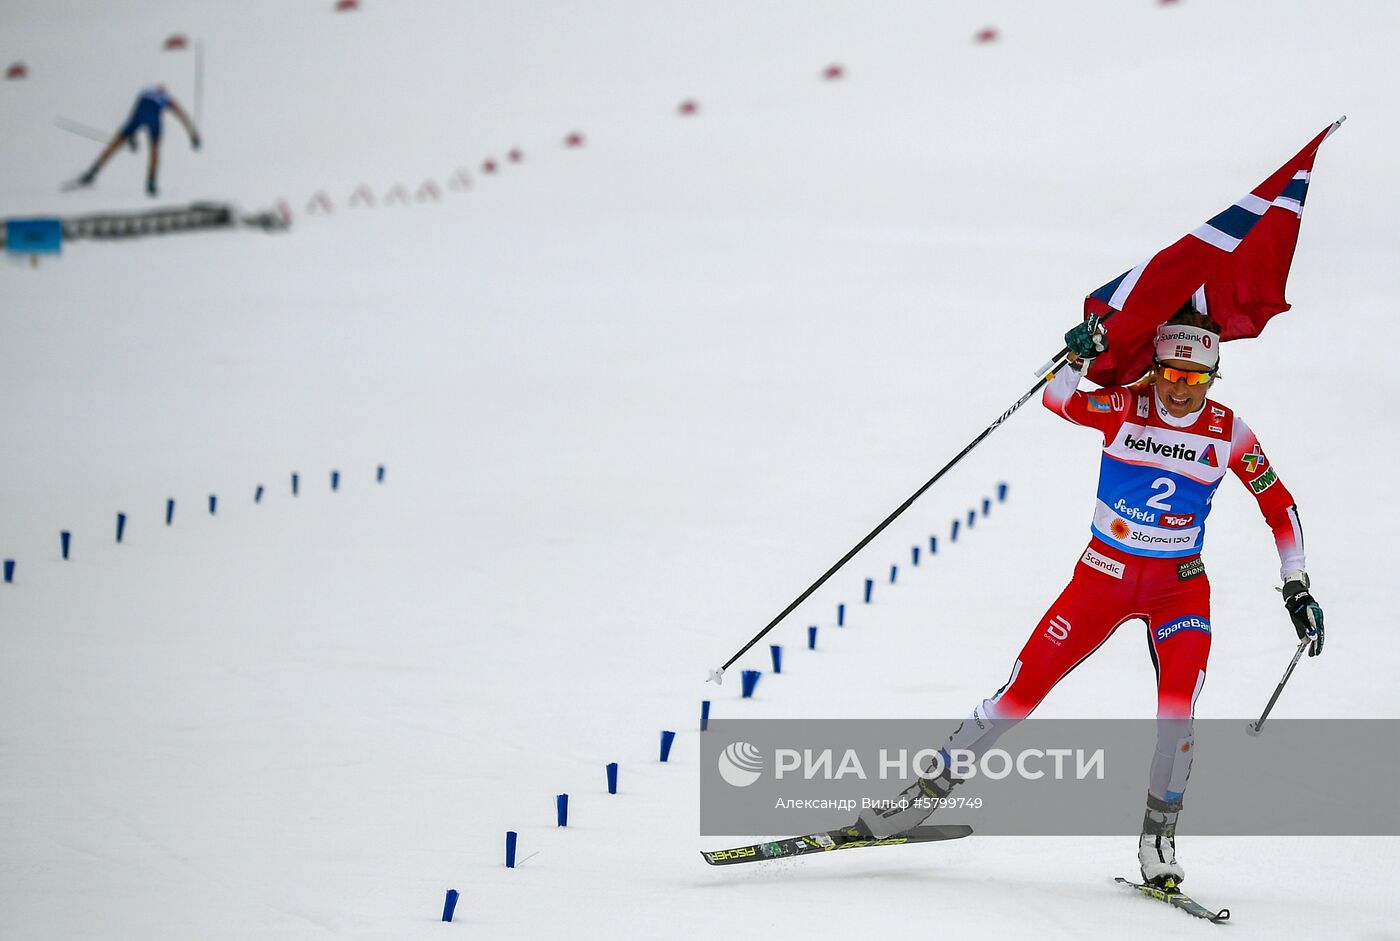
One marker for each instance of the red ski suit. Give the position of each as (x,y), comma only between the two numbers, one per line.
(1157,477)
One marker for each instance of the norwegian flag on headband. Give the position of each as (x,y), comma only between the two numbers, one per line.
(1236,267)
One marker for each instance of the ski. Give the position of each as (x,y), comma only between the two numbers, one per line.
(1178,900)
(825,841)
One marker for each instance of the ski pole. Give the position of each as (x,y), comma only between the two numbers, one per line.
(1045,374)
(717,676)
(1254,727)
(1058,361)
(199,83)
(82,130)
(1050,363)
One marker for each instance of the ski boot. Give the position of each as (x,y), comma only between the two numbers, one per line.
(909,808)
(1157,845)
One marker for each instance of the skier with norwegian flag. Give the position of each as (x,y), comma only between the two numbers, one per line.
(1166,449)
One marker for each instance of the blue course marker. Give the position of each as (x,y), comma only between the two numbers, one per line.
(812,637)
(511,837)
(704,714)
(986,506)
(894,573)
(65,539)
(954,536)
(213,504)
(121,526)
(379,474)
(777,652)
(169,511)
(915,554)
(34,237)
(258,494)
(449,907)
(971,518)
(933,545)
(1001,493)
(335,480)
(296,483)
(869,587)
(9,571)
(667,739)
(840,615)
(612,777)
(750,682)
(561,809)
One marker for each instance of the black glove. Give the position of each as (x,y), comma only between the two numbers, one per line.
(1305,612)
(1088,339)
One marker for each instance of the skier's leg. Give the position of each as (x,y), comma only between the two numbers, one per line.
(126,135)
(919,798)
(1081,619)
(102,158)
(1179,641)
(1181,673)
(153,164)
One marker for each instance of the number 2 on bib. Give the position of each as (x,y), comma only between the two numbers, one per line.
(1162,488)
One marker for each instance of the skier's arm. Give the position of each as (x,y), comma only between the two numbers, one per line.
(1103,410)
(1249,464)
(1062,388)
(179,112)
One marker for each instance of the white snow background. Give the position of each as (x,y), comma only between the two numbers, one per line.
(632,397)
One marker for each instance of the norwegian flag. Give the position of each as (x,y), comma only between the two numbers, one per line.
(1235,265)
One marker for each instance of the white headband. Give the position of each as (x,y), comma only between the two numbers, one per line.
(1193,344)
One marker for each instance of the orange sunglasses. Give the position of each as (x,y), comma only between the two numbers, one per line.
(1192,377)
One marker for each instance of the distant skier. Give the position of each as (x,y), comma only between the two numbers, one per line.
(1166,449)
(150,104)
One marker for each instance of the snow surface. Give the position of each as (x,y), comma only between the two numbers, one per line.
(632,397)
